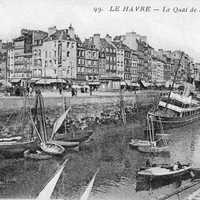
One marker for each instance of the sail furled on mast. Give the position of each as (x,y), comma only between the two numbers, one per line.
(86,194)
(39,118)
(59,122)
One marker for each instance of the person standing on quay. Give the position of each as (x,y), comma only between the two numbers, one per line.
(90,90)
(60,90)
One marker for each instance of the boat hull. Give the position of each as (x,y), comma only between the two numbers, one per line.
(52,148)
(167,173)
(17,147)
(64,137)
(151,149)
(37,155)
(141,143)
(66,144)
(165,123)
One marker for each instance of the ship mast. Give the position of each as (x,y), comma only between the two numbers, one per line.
(179,64)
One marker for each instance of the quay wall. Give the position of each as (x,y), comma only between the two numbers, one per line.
(11,112)
(143,98)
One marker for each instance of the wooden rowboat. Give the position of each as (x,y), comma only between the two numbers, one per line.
(141,143)
(153,149)
(17,146)
(8,139)
(37,155)
(66,144)
(52,148)
(164,171)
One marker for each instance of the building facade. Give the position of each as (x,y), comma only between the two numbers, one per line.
(22,56)
(107,48)
(134,66)
(37,47)
(157,71)
(123,56)
(80,60)
(91,61)
(59,54)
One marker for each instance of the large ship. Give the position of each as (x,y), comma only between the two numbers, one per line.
(176,110)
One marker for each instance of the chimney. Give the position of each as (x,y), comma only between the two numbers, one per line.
(96,39)
(143,38)
(51,30)
(1,45)
(71,31)
(108,38)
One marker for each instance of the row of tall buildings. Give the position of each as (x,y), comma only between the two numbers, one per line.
(61,54)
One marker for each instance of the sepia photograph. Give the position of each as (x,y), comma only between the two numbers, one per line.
(100,99)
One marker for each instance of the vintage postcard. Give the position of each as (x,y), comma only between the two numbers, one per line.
(100,99)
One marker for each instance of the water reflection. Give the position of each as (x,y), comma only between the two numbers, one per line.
(118,166)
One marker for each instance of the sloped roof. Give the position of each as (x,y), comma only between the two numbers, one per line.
(106,44)
(120,45)
(89,44)
(20,38)
(40,35)
(59,35)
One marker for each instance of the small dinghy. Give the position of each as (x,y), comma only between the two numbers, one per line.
(153,149)
(141,143)
(164,171)
(9,139)
(37,155)
(66,144)
(52,148)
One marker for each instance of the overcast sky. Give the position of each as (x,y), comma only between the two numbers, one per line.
(163,30)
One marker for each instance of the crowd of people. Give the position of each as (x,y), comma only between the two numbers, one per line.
(18,90)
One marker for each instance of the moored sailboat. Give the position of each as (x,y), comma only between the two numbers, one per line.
(151,145)
(47,146)
(57,125)
(19,142)
(68,137)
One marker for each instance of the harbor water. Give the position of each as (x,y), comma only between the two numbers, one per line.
(118,164)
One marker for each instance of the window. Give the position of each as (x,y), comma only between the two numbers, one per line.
(67,44)
(68,53)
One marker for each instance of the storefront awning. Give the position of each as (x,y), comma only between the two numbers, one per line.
(16,80)
(94,83)
(49,81)
(33,80)
(113,78)
(135,85)
(122,83)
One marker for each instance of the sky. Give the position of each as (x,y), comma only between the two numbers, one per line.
(177,29)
